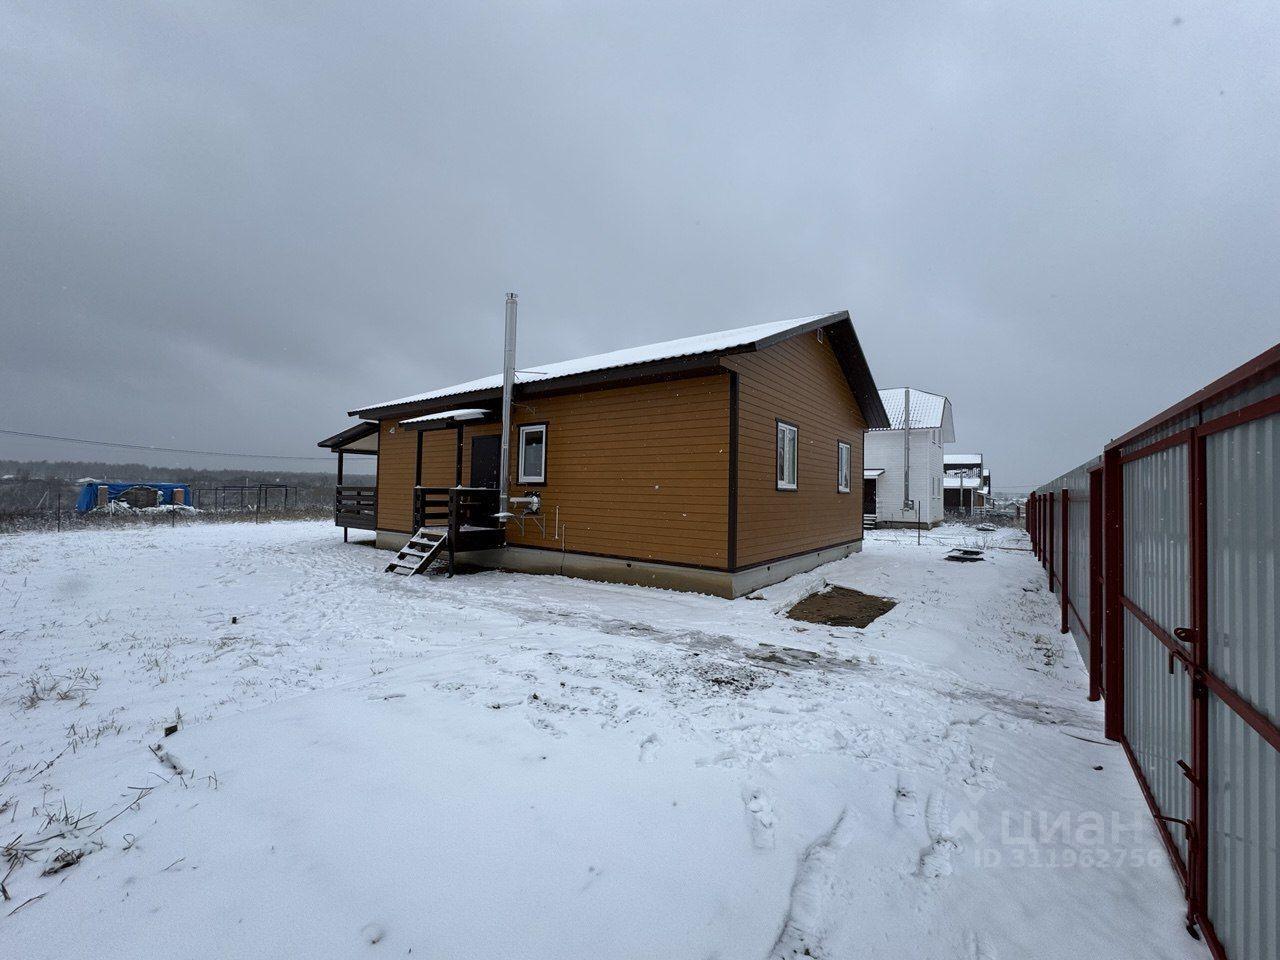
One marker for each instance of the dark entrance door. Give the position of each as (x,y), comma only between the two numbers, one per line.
(868,497)
(485,453)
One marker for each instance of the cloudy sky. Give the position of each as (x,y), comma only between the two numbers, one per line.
(224,224)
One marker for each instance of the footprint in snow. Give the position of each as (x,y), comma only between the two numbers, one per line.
(761,817)
(649,748)
(935,859)
(981,947)
(906,810)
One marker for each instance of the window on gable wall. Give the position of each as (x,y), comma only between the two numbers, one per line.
(843,458)
(788,454)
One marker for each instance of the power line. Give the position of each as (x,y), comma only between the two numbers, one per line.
(143,446)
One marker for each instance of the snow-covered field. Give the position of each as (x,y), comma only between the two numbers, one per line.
(507,766)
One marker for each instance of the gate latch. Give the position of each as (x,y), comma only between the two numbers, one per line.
(1186,634)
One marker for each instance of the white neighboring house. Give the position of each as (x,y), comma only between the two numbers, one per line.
(885,457)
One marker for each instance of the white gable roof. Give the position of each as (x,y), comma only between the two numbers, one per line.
(928,411)
(667,350)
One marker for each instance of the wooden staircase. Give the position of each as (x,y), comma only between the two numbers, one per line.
(416,555)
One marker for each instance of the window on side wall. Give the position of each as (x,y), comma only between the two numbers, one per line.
(788,453)
(844,455)
(533,453)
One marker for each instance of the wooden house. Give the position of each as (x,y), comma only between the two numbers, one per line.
(717,463)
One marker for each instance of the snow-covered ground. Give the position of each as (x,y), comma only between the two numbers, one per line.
(502,765)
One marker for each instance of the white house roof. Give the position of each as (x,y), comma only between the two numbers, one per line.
(962,459)
(928,411)
(666,350)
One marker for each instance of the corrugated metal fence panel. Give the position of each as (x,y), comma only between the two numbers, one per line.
(1243,837)
(1077,548)
(1167,429)
(1261,388)
(1243,516)
(1157,573)
(1077,482)
(1157,722)
(1244,571)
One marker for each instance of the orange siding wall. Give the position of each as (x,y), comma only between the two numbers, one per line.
(800,381)
(395,476)
(639,472)
(439,458)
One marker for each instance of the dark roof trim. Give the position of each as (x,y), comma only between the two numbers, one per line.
(848,351)
(349,435)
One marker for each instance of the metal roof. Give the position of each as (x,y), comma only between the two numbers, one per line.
(927,409)
(636,360)
(666,350)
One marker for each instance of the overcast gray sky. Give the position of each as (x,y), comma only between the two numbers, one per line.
(224,224)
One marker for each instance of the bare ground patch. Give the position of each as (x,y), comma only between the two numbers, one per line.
(841,607)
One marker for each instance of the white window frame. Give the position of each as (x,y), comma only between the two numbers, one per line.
(523,475)
(788,436)
(844,467)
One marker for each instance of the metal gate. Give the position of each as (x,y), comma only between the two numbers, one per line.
(1164,555)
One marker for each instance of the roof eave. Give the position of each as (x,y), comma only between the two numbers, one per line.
(856,369)
(351,434)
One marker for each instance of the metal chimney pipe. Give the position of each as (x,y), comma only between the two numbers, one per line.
(508,381)
(907,505)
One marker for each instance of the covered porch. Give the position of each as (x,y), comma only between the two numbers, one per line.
(355,505)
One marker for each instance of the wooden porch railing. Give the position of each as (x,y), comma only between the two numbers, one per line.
(468,513)
(355,506)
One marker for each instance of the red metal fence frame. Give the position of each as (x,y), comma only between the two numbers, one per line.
(1187,645)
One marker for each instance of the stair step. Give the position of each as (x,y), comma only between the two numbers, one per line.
(415,555)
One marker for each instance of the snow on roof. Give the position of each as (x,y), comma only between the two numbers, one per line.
(927,409)
(462,413)
(955,483)
(959,458)
(871,474)
(667,350)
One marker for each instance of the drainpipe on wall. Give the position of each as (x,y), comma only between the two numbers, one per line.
(508,380)
(907,505)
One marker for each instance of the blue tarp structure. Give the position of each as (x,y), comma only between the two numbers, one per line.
(88,498)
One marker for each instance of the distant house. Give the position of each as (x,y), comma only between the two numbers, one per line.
(895,451)
(967,483)
(716,463)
